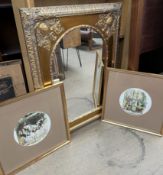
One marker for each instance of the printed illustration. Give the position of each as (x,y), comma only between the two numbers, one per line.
(32,128)
(135,101)
(6,88)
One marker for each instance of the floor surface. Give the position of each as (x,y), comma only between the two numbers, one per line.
(78,81)
(103,149)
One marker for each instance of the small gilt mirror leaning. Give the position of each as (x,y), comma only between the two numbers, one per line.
(73,44)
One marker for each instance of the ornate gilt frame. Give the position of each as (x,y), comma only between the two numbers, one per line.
(44,27)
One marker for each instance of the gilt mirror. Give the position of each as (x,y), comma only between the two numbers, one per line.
(73,44)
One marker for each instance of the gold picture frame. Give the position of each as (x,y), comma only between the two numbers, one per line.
(44,27)
(38,126)
(132,100)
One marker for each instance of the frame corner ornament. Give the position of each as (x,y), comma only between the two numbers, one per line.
(108,23)
(48,32)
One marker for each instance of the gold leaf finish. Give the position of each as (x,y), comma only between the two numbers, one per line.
(44,27)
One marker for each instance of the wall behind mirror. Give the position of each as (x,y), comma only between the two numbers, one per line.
(69,2)
(146,36)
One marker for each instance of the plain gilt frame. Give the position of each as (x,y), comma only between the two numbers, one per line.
(53,141)
(116,83)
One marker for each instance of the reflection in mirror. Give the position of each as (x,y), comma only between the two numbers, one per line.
(80,56)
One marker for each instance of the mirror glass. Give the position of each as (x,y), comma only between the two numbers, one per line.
(79,54)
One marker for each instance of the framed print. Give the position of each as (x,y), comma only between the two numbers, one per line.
(98,75)
(6,88)
(31,127)
(134,100)
(13,69)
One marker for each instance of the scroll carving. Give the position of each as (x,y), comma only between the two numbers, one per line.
(47,32)
(108,23)
(32,49)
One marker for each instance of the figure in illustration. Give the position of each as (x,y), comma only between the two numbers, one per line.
(32,128)
(135,101)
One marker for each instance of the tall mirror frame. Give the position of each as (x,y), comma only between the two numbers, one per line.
(44,27)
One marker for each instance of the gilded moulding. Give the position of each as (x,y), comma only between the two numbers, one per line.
(43,27)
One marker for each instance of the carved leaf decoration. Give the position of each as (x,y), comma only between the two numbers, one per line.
(47,32)
(57,28)
(108,23)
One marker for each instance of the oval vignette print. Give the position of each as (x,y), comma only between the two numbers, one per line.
(32,128)
(135,101)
